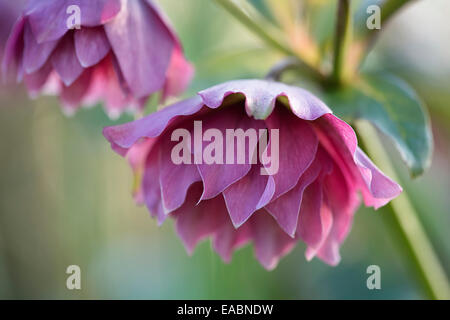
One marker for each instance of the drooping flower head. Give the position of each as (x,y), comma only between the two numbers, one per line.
(115,51)
(311,195)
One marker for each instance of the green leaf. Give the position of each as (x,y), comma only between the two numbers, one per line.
(394,108)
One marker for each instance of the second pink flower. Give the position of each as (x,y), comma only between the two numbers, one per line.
(124,51)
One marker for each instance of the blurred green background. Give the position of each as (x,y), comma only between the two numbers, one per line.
(65,197)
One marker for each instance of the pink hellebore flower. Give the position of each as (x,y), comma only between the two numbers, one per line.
(312,197)
(121,52)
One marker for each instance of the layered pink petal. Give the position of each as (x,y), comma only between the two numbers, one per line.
(152,125)
(9,13)
(321,223)
(217,177)
(226,239)
(270,242)
(36,81)
(315,219)
(343,200)
(12,64)
(151,186)
(48,18)
(247,195)
(175,179)
(297,148)
(380,189)
(137,157)
(340,141)
(65,60)
(91,45)
(138,32)
(286,208)
(105,87)
(72,95)
(261,97)
(196,222)
(35,54)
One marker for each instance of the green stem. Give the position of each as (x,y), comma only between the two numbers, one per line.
(340,40)
(277,70)
(266,31)
(423,258)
